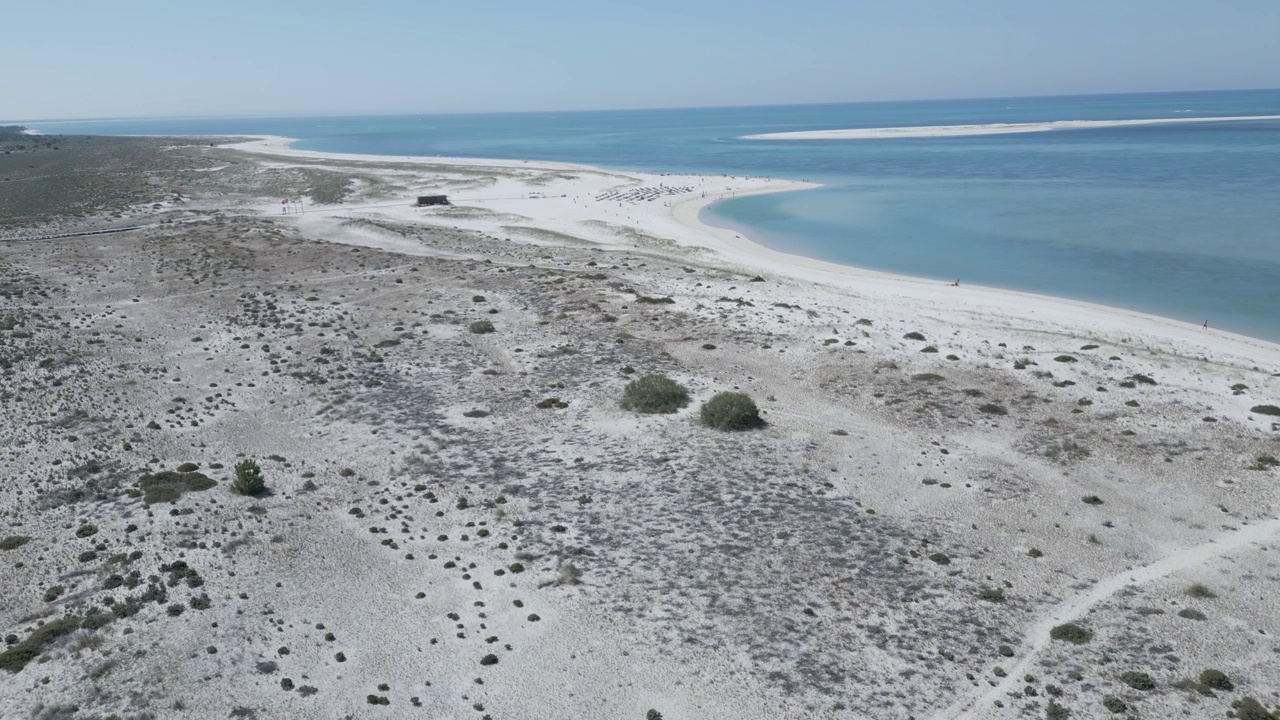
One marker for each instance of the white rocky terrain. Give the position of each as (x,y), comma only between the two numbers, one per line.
(962,503)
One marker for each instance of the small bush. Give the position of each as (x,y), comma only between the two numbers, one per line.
(1072,633)
(188,467)
(13,542)
(1114,704)
(1064,359)
(86,530)
(1192,614)
(1199,590)
(730,411)
(913,336)
(489,659)
(1216,680)
(168,486)
(993,409)
(1091,500)
(653,394)
(991,594)
(940,558)
(481,327)
(249,479)
(1249,709)
(1137,680)
(1266,410)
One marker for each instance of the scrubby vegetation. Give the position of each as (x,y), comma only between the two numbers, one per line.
(1072,633)
(654,394)
(730,411)
(168,486)
(249,480)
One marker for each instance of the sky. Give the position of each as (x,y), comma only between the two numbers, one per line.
(144,58)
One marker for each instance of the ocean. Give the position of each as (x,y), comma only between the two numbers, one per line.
(1181,221)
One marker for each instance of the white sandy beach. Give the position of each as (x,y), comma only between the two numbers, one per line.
(986,129)
(570,207)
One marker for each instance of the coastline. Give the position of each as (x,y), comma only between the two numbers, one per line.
(681,222)
(933,131)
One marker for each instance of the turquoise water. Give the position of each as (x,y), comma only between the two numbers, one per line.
(1178,220)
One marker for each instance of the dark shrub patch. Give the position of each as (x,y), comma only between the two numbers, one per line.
(993,409)
(249,479)
(168,486)
(17,657)
(13,542)
(86,530)
(481,327)
(1091,500)
(1072,633)
(551,403)
(940,558)
(1216,680)
(646,300)
(1266,410)
(991,594)
(1064,359)
(489,659)
(1137,680)
(654,394)
(730,411)
(1192,614)
(1249,709)
(188,467)
(1141,379)
(913,336)
(1114,704)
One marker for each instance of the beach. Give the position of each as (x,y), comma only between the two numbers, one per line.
(465,521)
(989,128)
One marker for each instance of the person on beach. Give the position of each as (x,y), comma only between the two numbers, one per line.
(1206,324)
(956,283)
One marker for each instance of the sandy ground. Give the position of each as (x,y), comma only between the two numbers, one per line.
(985,129)
(464,524)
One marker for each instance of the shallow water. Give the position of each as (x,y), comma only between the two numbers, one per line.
(1178,220)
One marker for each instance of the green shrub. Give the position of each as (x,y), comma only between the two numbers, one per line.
(1137,680)
(1249,709)
(993,409)
(940,558)
(13,542)
(16,658)
(654,394)
(1114,704)
(1072,633)
(53,593)
(1266,409)
(86,530)
(188,467)
(991,594)
(168,486)
(653,715)
(730,411)
(1216,680)
(913,336)
(1064,359)
(1200,590)
(480,327)
(249,479)
(489,659)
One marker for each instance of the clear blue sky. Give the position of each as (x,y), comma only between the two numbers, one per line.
(131,58)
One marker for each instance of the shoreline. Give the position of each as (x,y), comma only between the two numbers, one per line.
(934,131)
(681,222)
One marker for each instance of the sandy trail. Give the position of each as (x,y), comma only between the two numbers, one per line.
(1037,639)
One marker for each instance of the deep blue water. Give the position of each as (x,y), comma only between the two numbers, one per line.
(1177,220)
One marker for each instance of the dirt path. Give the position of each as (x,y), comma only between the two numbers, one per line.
(980,704)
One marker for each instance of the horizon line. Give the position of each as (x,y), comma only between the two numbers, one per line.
(403,113)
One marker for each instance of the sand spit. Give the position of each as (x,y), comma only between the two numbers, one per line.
(461,521)
(986,129)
